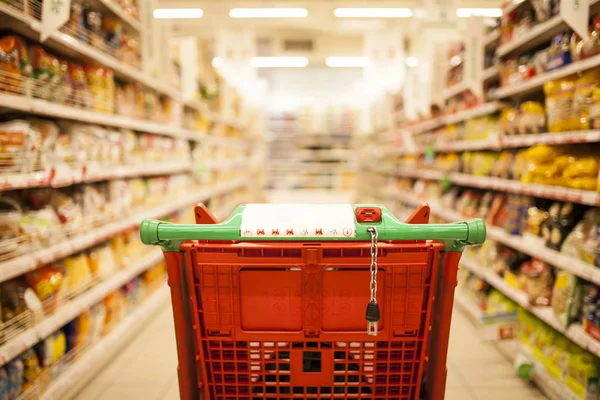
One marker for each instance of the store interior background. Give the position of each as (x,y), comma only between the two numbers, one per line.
(482,108)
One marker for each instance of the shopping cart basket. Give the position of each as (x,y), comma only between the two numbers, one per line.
(270,304)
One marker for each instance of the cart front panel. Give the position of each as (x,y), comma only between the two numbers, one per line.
(286,320)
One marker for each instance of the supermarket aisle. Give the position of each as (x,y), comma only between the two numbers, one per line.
(146,369)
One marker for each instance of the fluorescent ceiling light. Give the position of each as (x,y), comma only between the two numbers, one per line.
(478,12)
(268,13)
(168,13)
(218,62)
(279,62)
(411,62)
(347,62)
(372,12)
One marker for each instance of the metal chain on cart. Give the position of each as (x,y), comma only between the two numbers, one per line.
(373,315)
(373,268)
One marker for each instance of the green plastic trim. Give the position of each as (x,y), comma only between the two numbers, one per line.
(455,235)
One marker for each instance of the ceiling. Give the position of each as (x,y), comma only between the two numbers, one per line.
(320,20)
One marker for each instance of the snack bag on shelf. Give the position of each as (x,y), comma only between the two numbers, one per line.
(10,65)
(582,375)
(78,276)
(582,173)
(80,91)
(18,147)
(582,98)
(575,241)
(15,378)
(532,118)
(559,104)
(47,283)
(538,280)
(102,263)
(31,367)
(98,316)
(566,297)
(12,240)
(52,349)
(4,384)
(561,224)
(47,133)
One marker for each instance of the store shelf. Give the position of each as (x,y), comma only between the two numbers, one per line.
(536,83)
(25,263)
(575,332)
(77,374)
(469,145)
(86,174)
(118,11)
(491,74)
(525,245)
(50,109)
(71,309)
(420,173)
(454,90)
(513,6)
(478,111)
(538,35)
(588,197)
(490,41)
(425,126)
(475,112)
(66,45)
(551,138)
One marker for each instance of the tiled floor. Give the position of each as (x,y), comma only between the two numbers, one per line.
(146,369)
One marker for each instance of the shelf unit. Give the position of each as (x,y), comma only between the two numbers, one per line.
(413,156)
(222,167)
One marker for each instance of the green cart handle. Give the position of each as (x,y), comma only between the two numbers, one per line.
(454,235)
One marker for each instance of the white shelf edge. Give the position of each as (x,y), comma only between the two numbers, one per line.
(46,108)
(491,73)
(72,308)
(537,82)
(590,136)
(588,197)
(455,90)
(478,111)
(77,374)
(491,38)
(25,263)
(50,179)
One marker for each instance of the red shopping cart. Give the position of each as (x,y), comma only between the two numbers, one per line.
(270,304)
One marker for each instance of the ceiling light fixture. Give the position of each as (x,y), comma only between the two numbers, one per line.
(279,62)
(268,12)
(178,13)
(372,12)
(347,62)
(478,12)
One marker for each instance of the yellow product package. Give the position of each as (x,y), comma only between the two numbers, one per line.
(559,104)
(532,118)
(508,121)
(581,375)
(583,98)
(78,275)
